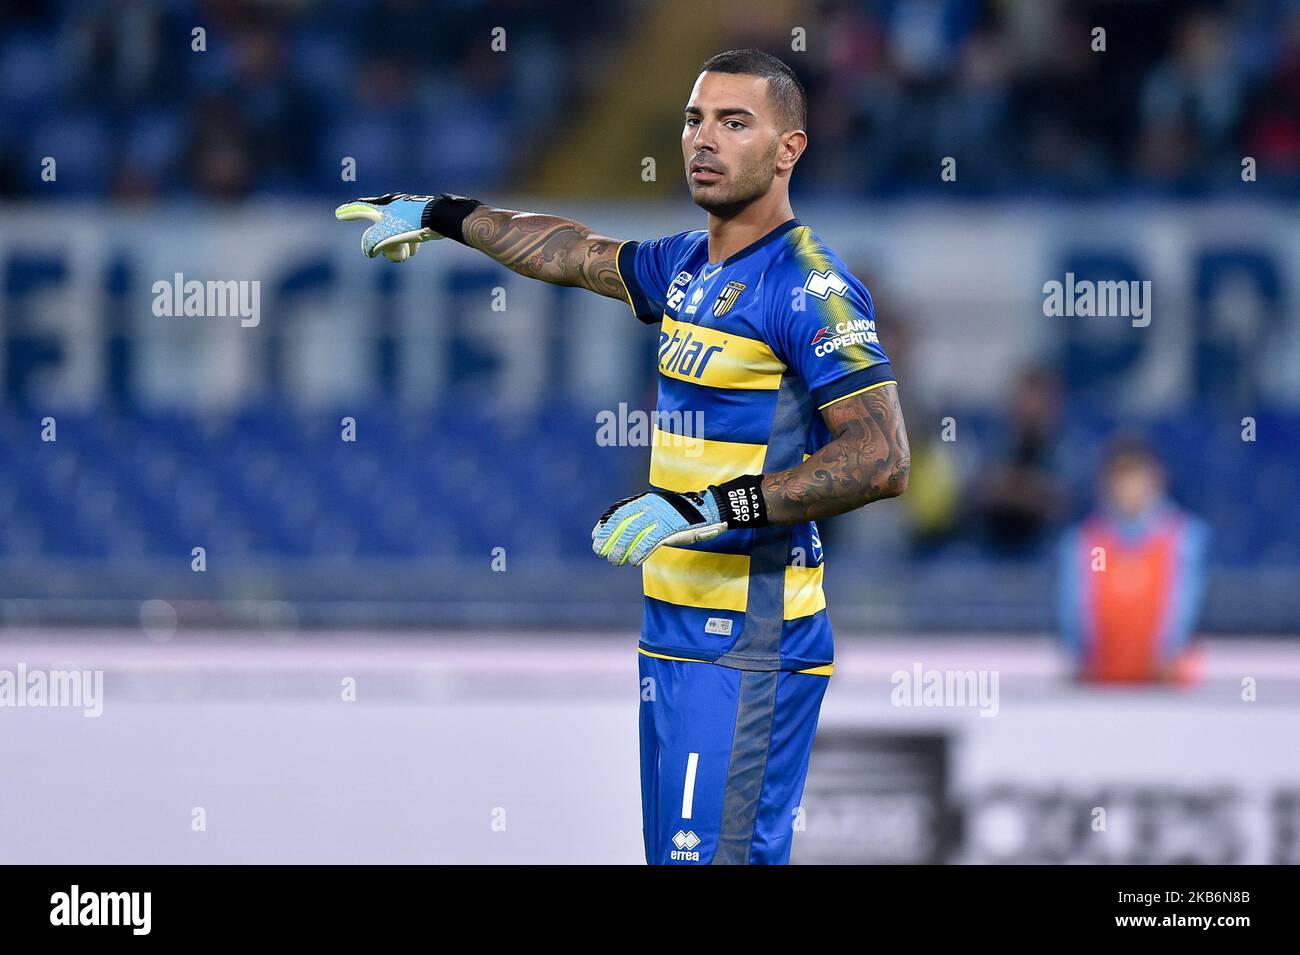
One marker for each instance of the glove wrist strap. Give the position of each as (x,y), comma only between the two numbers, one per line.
(445,214)
(740,501)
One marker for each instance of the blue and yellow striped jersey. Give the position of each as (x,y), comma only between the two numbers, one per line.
(750,351)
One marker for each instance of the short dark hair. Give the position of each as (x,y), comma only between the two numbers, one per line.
(782,84)
(1130,449)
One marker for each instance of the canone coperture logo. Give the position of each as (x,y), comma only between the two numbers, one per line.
(856,331)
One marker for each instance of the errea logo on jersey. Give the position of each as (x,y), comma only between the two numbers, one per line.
(824,284)
(685,843)
(695,301)
(857,331)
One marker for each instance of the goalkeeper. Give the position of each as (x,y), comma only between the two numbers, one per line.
(765,333)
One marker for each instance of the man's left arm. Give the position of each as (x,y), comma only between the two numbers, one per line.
(868,459)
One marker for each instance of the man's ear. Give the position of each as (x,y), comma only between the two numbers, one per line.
(792,146)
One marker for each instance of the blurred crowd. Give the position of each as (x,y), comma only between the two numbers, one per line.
(282,91)
(1020,93)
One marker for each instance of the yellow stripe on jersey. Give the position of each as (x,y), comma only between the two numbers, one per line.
(700,578)
(687,463)
(803,591)
(826,669)
(697,578)
(627,292)
(810,254)
(706,356)
(860,391)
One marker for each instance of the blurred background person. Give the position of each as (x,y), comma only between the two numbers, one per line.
(1132,577)
(1021,495)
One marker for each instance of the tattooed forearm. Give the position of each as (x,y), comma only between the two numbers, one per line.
(867,460)
(549,248)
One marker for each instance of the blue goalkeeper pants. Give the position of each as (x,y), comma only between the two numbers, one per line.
(724,755)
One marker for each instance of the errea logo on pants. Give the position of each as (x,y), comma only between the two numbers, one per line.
(685,843)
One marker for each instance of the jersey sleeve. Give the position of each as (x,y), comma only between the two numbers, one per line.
(647,268)
(825,329)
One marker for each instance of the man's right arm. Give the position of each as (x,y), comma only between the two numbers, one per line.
(549,248)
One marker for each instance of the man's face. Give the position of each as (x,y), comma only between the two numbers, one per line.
(730,141)
(1132,487)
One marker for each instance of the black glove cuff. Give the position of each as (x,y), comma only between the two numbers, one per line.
(445,214)
(740,501)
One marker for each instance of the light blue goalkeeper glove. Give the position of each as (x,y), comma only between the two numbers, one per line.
(633,528)
(397,230)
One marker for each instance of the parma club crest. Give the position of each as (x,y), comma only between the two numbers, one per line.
(727,298)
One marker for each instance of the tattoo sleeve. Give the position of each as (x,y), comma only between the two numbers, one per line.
(548,248)
(868,459)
